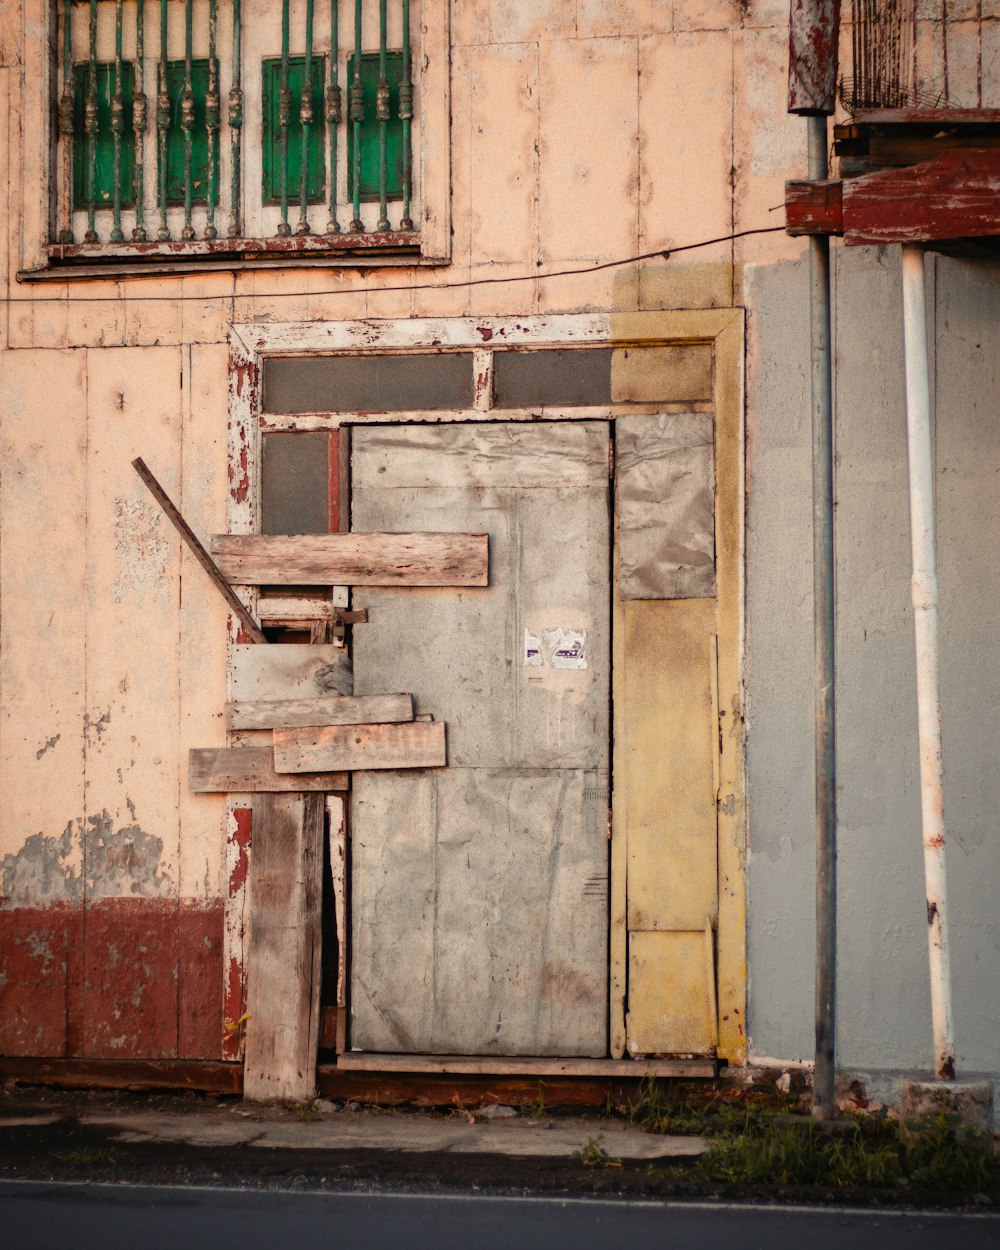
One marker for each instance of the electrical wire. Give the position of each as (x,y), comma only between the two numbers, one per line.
(664,253)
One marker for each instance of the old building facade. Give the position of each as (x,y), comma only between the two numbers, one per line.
(423,268)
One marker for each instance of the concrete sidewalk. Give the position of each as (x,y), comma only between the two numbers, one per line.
(329,1127)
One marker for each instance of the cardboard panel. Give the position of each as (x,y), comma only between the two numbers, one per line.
(665,506)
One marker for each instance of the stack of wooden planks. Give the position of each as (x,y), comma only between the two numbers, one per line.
(316,742)
(298,730)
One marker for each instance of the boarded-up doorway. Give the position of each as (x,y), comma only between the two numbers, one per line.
(480,891)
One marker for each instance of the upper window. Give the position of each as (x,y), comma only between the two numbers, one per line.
(200,128)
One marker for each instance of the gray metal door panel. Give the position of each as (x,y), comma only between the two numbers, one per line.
(480,891)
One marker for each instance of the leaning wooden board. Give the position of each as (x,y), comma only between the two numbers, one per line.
(334,709)
(419,744)
(353,559)
(250,770)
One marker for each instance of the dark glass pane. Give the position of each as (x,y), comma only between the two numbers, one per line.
(571,377)
(295,479)
(369,383)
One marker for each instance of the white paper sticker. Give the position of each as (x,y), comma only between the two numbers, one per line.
(532,651)
(565,648)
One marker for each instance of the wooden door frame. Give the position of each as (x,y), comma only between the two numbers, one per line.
(720,329)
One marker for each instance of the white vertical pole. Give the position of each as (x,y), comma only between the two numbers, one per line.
(918,426)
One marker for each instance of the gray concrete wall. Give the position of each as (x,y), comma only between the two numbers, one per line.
(884,1000)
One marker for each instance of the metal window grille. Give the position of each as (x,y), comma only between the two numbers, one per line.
(185,126)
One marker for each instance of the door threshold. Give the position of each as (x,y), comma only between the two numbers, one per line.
(362,1061)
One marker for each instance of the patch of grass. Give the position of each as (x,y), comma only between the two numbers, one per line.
(593,1155)
(693,1111)
(89,1155)
(935,1155)
(305,1112)
(537,1108)
(941,1153)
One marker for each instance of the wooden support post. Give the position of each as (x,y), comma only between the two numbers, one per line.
(284,961)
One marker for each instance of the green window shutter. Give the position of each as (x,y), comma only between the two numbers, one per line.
(271,138)
(105,154)
(370,148)
(199,135)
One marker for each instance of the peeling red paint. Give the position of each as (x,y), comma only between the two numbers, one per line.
(121,978)
(485,332)
(241,488)
(240,838)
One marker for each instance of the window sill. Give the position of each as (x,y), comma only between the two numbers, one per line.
(69,261)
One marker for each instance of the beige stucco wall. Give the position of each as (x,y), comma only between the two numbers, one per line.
(580,134)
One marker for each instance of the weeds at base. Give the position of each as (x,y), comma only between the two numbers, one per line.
(761,1137)
(91,1156)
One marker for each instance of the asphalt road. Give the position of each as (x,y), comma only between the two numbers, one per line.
(43,1216)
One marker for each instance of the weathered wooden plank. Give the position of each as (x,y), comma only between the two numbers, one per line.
(358,1061)
(956,196)
(354,559)
(284,959)
(415,745)
(334,709)
(197,550)
(250,770)
(814,207)
(288,609)
(299,670)
(337,832)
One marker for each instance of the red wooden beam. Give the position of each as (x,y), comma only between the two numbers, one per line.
(814,207)
(955,196)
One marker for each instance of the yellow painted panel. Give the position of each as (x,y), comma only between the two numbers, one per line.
(668,764)
(661,374)
(671,994)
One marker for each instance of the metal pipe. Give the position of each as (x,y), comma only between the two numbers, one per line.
(117,130)
(235,131)
(406,116)
(187,120)
(162,125)
(334,113)
(90,128)
(139,121)
(66,110)
(356,105)
(306,120)
(382,117)
(925,596)
(823,1105)
(213,121)
(284,121)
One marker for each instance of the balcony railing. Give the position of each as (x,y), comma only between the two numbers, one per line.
(203,127)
